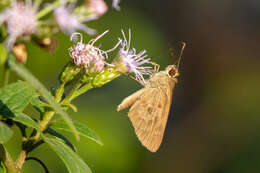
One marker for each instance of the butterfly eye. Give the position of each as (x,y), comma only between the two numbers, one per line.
(172,72)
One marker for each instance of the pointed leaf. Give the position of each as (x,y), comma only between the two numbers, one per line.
(28,76)
(26,120)
(15,97)
(53,132)
(37,104)
(72,161)
(5,133)
(81,128)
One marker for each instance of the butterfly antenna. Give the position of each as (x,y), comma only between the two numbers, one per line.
(182,49)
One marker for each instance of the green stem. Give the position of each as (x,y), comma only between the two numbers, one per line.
(6,75)
(49,9)
(71,94)
(8,161)
(44,122)
(37,2)
(20,160)
(46,119)
(82,90)
(59,92)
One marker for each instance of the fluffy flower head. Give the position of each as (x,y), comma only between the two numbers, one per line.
(133,61)
(20,20)
(69,22)
(88,55)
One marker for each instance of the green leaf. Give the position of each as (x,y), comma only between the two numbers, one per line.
(37,104)
(26,120)
(5,133)
(58,135)
(81,128)
(13,100)
(2,168)
(28,76)
(3,54)
(15,97)
(72,161)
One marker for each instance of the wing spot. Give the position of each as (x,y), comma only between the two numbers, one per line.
(150,110)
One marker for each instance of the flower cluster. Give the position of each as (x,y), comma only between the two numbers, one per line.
(20,20)
(88,55)
(127,60)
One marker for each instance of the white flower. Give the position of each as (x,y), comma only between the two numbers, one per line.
(133,61)
(115,4)
(20,20)
(88,55)
(69,22)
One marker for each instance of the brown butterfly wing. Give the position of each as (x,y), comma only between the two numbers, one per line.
(149,115)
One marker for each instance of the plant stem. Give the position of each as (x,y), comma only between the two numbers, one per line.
(50,8)
(59,92)
(6,75)
(8,161)
(46,118)
(37,2)
(20,160)
(82,90)
(72,92)
(44,122)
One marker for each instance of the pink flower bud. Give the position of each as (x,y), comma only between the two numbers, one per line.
(97,7)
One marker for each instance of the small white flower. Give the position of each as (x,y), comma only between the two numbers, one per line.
(88,55)
(115,4)
(69,22)
(20,20)
(133,61)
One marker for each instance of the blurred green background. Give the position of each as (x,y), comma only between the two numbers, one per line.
(214,124)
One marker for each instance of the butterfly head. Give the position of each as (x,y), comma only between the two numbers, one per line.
(172,71)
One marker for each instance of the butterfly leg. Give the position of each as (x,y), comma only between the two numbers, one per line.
(140,82)
(156,66)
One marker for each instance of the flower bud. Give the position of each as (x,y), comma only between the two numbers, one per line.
(105,76)
(70,74)
(97,7)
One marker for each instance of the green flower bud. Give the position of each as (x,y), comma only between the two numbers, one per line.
(105,76)
(71,74)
